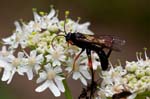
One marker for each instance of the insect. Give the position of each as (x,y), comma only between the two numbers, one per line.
(89,90)
(93,43)
(122,95)
(90,43)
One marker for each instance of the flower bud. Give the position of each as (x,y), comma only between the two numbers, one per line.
(140,73)
(131,68)
(147,71)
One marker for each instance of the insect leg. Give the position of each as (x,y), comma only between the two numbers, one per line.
(103,59)
(77,58)
(88,52)
(109,52)
(83,94)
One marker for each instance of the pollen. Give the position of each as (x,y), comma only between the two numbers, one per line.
(16,62)
(118,88)
(56,55)
(32,61)
(51,75)
(4,53)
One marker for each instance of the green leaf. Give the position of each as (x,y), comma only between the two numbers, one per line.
(143,95)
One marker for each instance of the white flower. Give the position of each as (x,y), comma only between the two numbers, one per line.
(42,47)
(33,63)
(56,56)
(44,22)
(4,53)
(114,75)
(14,64)
(18,37)
(51,79)
(35,26)
(72,26)
(80,70)
(83,28)
(50,21)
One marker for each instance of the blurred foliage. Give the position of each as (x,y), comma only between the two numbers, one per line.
(143,95)
(6,92)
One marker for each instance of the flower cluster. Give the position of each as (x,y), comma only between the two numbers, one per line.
(36,57)
(135,77)
(36,49)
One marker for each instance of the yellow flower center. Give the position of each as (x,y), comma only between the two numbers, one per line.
(118,88)
(56,55)
(17,37)
(36,26)
(4,53)
(51,75)
(32,61)
(16,62)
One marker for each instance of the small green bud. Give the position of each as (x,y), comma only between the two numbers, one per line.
(51,6)
(134,80)
(33,33)
(53,28)
(42,13)
(132,68)
(147,71)
(67,13)
(130,76)
(34,9)
(145,48)
(140,73)
(145,79)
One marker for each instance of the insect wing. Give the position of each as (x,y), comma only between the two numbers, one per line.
(110,42)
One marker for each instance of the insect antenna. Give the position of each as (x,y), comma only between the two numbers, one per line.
(54,39)
(65,21)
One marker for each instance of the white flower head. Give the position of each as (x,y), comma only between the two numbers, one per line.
(4,53)
(11,66)
(52,80)
(80,71)
(18,37)
(33,62)
(56,56)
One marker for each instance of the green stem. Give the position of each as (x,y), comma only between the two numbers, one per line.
(68,94)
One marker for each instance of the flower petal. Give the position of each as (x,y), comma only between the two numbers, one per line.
(43,76)
(86,74)
(54,89)
(76,75)
(43,87)
(30,74)
(11,76)
(33,53)
(60,84)
(58,69)
(83,80)
(6,75)
(51,14)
